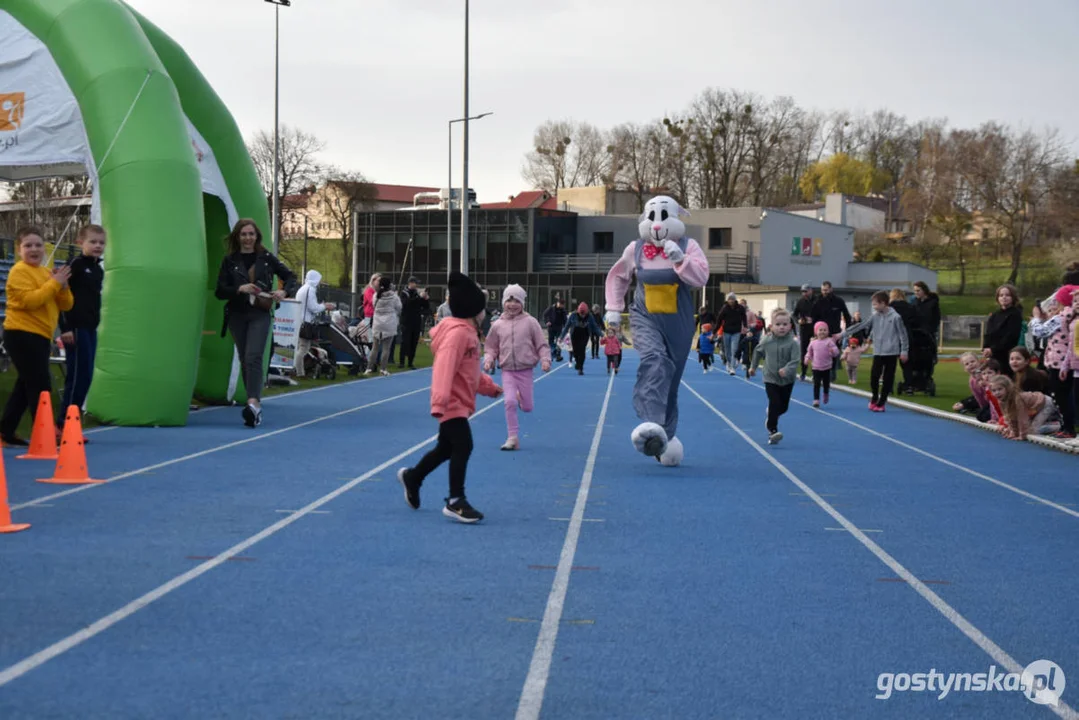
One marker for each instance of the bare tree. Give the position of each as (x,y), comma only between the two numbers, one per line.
(678,163)
(567,154)
(930,186)
(298,164)
(638,159)
(771,129)
(722,123)
(1009,174)
(342,194)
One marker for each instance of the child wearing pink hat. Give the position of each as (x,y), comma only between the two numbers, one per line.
(516,343)
(820,356)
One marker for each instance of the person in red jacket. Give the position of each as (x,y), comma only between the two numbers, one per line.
(456,379)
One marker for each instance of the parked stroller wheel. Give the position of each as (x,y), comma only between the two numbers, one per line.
(331,372)
(931,388)
(901,388)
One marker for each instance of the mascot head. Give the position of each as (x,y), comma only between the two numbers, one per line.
(660,221)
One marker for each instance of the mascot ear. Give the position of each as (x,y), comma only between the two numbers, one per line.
(682,212)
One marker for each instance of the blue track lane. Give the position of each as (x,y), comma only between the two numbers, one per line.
(711,590)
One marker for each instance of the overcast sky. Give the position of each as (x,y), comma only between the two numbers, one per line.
(377,80)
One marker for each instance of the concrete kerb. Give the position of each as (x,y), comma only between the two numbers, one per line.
(1072,448)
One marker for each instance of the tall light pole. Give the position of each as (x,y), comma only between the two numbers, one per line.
(276,209)
(464,183)
(449,189)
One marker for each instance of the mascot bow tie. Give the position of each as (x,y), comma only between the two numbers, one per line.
(650,251)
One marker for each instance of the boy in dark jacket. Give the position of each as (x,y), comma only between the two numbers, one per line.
(78,326)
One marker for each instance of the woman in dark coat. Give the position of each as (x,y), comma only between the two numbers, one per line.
(927,307)
(246,281)
(1004,328)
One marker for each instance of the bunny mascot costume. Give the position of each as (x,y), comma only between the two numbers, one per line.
(668,266)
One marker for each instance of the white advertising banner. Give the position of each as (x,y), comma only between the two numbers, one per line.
(41,130)
(286,334)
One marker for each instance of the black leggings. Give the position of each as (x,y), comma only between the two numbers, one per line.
(706,360)
(30,355)
(882,364)
(1061,390)
(821,377)
(579,339)
(410,340)
(779,399)
(613,361)
(455,445)
(595,346)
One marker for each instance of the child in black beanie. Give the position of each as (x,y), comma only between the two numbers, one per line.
(456,379)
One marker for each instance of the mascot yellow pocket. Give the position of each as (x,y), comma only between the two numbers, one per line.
(661,299)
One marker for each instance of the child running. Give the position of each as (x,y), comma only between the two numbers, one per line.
(35,297)
(890,345)
(852,355)
(780,352)
(78,326)
(612,348)
(516,344)
(820,356)
(456,379)
(706,347)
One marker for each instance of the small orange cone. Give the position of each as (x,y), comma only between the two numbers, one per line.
(6,526)
(43,438)
(71,468)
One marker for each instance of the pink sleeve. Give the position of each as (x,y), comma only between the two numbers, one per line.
(694,269)
(542,348)
(491,345)
(619,278)
(487,386)
(443,373)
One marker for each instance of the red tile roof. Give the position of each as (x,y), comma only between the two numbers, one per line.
(525,200)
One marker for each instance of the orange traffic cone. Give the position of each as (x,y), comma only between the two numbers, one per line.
(71,468)
(43,438)
(6,526)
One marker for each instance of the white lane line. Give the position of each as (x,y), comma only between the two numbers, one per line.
(60,647)
(539,670)
(860,529)
(210,451)
(569,519)
(931,456)
(313,512)
(951,614)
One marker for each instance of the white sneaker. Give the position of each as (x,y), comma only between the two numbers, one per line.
(511,443)
(774,438)
(368,371)
(385,373)
(730,371)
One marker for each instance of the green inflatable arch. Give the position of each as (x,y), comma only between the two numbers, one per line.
(159,339)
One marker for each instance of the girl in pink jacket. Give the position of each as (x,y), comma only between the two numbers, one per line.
(822,351)
(456,379)
(516,343)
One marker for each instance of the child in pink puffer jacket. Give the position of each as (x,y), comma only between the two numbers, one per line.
(820,354)
(516,343)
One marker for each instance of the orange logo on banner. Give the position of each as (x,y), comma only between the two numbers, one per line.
(12,106)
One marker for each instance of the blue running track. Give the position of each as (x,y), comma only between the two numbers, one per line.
(226,572)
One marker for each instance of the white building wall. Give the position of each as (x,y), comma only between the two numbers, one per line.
(830,251)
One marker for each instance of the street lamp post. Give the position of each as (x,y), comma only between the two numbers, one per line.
(464,182)
(449,190)
(276,207)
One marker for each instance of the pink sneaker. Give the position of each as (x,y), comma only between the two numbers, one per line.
(876,408)
(873,406)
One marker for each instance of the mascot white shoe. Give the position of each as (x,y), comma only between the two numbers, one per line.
(668,267)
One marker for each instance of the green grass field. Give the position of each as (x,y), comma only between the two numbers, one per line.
(949,376)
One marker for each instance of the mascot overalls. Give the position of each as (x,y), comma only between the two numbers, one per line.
(668,266)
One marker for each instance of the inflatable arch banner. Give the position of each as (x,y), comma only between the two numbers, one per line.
(90,86)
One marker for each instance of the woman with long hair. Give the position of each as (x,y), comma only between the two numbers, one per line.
(247,281)
(1004,328)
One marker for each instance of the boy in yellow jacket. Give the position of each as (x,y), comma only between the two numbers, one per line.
(35,298)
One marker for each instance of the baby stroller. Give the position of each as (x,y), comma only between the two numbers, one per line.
(350,342)
(918,371)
